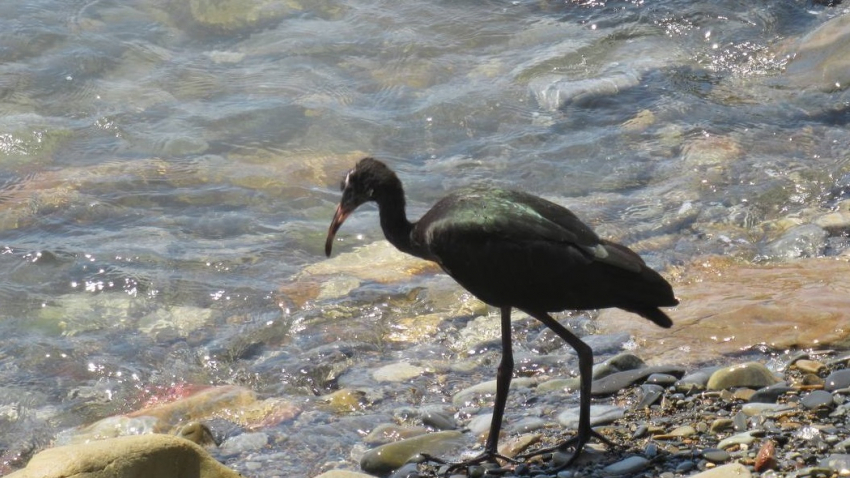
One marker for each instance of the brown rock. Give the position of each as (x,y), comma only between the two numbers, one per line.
(727,307)
(766,458)
(162,456)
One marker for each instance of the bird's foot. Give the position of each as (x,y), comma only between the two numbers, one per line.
(484,457)
(577,443)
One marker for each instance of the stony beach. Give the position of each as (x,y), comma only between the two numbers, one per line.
(168,171)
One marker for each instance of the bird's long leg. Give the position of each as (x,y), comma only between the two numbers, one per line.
(585,367)
(503,383)
(504,373)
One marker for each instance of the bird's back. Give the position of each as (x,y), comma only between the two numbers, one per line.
(514,249)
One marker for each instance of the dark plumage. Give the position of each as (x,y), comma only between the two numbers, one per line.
(513,249)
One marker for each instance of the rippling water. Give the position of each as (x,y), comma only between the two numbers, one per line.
(167,168)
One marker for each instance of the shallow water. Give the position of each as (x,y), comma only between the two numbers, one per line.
(168,168)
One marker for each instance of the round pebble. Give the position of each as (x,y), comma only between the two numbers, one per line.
(817,399)
(629,466)
(837,380)
(716,455)
(750,374)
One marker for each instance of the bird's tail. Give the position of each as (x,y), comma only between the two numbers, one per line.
(654,314)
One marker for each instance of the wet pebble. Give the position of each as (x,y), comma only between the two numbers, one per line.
(649,394)
(736,470)
(753,409)
(244,443)
(480,423)
(438,419)
(837,463)
(678,432)
(750,374)
(807,240)
(387,458)
(618,363)
(487,388)
(715,455)
(817,399)
(809,366)
(740,439)
(397,372)
(599,415)
(525,425)
(837,380)
(766,457)
(389,432)
(771,393)
(722,424)
(617,381)
(661,379)
(629,466)
(696,380)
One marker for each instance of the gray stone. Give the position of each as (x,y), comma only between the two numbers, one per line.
(630,465)
(244,443)
(740,439)
(599,414)
(392,456)
(818,399)
(837,380)
(617,381)
(716,455)
(836,462)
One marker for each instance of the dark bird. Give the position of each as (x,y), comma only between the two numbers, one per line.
(513,249)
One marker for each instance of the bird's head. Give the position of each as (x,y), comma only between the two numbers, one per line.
(365,182)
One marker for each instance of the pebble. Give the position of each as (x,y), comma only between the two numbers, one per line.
(766,457)
(480,424)
(696,380)
(599,415)
(735,470)
(397,372)
(721,425)
(618,363)
(837,462)
(740,439)
(750,374)
(619,380)
(715,455)
(837,380)
(753,409)
(662,379)
(817,399)
(389,432)
(438,419)
(392,456)
(809,366)
(629,466)
(487,388)
(649,394)
(680,432)
(245,442)
(771,393)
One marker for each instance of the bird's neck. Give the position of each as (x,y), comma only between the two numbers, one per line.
(397,229)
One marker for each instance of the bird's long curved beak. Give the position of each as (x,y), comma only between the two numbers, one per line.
(339,217)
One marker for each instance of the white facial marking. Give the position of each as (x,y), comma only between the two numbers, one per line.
(347,176)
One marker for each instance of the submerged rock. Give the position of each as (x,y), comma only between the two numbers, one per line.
(728,307)
(820,59)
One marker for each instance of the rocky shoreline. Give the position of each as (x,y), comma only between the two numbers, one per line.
(740,420)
